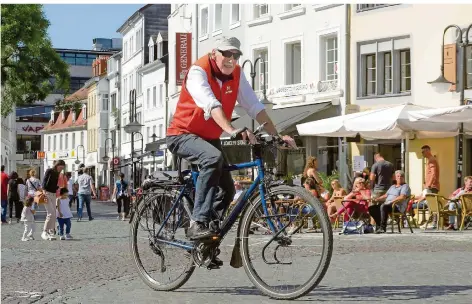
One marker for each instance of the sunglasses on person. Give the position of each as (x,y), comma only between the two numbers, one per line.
(228,54)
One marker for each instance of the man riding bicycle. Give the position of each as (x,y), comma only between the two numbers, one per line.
(209,93)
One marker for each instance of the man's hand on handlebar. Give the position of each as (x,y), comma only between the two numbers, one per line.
(249,135)
(245,135)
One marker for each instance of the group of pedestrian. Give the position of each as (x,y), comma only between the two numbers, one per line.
(56,192)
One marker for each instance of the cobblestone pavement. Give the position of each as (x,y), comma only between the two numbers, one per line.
(96,267)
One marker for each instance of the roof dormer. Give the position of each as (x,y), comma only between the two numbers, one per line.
(151,46)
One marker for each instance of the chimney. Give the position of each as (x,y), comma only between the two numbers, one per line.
(63,115)
(74,115)
(51,121)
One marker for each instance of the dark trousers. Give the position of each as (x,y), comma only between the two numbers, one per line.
(72,198)
(123,200)
(18,207)
(62,222)
(215,187)
(380,214)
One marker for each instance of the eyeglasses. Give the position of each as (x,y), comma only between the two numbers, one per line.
(228,54)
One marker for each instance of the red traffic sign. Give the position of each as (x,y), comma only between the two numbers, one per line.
(116,161)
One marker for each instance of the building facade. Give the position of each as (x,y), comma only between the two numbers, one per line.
(114,113)
(136,33)
(65,135)
(392,65)
(98,108)
(8,141)
(154,84)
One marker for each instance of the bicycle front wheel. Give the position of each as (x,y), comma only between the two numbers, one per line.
(280,259)
(161,265)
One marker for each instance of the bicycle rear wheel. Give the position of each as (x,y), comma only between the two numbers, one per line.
(268,257)
(162,267)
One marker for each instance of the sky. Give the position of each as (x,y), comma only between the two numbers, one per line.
(73,26)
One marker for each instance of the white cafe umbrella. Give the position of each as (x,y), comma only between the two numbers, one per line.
(382,123)
(447,115)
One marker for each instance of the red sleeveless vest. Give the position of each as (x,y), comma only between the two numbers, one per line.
(189,118)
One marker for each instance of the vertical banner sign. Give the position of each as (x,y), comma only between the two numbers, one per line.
(183,51)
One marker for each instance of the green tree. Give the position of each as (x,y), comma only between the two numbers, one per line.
(31,68)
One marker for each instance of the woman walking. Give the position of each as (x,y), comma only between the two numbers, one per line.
(50,186)
(86,189)
(121,194)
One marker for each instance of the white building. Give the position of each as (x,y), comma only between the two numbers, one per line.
(392,65)
(154,91)
(65,136)
(136,33)
(114,117)
(8,144)
(181,20)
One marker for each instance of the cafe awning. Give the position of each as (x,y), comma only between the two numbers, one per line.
(282,118)
(157,145)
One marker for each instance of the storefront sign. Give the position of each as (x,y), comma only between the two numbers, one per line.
(62,155)
(183,51)
(29,128)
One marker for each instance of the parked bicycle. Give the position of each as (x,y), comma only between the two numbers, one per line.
(266,240)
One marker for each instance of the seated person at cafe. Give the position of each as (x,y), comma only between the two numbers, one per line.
(338,191)
(356,201)
(467,189)
(398,193)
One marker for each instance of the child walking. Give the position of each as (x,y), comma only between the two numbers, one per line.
(64,214)
(28,219)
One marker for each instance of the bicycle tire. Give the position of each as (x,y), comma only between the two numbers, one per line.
(327,244)
(177,283)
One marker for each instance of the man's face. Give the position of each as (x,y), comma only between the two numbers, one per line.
(425,152)
(226,60)
(399,178)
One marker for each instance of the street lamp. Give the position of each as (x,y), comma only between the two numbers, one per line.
(154,136)
(106,158)
(77,161)
(141,156)
(442,81)
(131,128)
(252,74)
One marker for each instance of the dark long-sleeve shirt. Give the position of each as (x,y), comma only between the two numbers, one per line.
(50,180)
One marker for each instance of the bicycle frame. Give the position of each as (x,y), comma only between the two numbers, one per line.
(233,216)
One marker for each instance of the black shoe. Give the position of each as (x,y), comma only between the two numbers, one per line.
(217,262)
(198,230)
(91,218)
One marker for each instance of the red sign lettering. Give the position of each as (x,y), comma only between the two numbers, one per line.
(183,55)
(29,128)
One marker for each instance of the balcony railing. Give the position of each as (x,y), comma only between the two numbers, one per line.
(368,7)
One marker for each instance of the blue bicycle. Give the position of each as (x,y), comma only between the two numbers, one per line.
(267,239)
